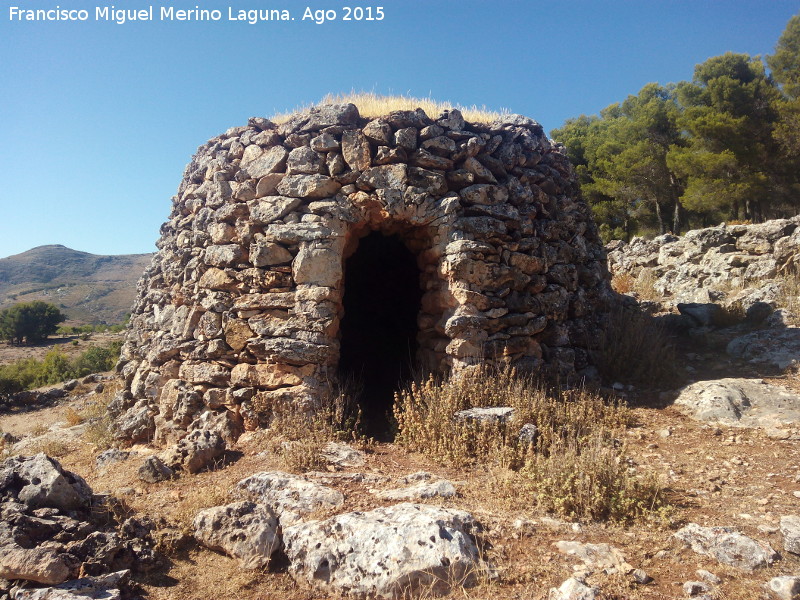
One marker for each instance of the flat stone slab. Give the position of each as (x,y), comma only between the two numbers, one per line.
(390,552)
(483,415)
(740,402)
(778,348)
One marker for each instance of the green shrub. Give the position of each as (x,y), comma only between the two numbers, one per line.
(30,373)
(31,322)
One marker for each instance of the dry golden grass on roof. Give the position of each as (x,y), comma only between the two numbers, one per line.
(375,105)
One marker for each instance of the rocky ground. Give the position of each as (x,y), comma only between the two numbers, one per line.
(746,479)
(227,520)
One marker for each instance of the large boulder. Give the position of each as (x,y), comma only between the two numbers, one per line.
(387,552)
(739,402)
(194,452)
(40,565)
(243,530)
(291,497)
(727,546)
(40,482)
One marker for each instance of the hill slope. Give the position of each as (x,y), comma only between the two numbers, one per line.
(87,287)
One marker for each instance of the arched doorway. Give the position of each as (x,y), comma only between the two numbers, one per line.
(381,301)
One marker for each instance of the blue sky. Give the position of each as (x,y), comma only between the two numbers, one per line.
(98,120)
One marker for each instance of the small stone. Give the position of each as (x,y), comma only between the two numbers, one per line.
(641,577)
(695,588)
(785,587)
(308,186)
(708,577)
(154,470)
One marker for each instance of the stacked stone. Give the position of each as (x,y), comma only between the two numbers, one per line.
(241,306)
(713,265)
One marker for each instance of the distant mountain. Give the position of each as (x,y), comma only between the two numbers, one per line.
(89,288)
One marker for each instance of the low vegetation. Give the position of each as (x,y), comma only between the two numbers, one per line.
(636,349)
(299,436)
(89,329)
(30,373)
(560,450)
(371,104)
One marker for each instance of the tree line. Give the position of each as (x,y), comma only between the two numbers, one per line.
(723,146)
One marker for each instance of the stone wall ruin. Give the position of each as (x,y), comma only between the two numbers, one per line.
(277,230)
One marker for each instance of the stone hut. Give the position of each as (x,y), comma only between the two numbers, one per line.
(334,247)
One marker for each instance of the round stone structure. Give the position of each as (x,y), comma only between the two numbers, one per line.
(334,247)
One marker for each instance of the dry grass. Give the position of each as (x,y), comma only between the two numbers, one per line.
(575,466)
(789,297)
(195,499)
(299,436)
(73,417)
(372,105)
(98,430)
(623,283)
(636,349)
(51,447)
(642,287)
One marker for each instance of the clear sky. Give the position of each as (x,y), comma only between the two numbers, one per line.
(98,119)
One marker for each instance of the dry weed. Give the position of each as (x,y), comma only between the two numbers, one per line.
(789,296)
(98,430)
(623,283)
(644,286)
(51,447)
(635,349)
(73,417)
(573,465)
(371,104)
(39,430)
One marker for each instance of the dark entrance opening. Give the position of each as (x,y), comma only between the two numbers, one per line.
(382,298)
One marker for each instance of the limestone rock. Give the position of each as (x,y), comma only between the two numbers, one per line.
(740,402)
(264,163)
(194,452)
(341,455)
(355,150)
(727,546)
(136,424)
(243,530)
(420,491)
(777,348)
(103,587)
(291,497)
(40,482)
(486,415)
(785,587)
(42,565)
(109,457)
(308,186)
(387,552)
(573,589)
(596,556)
(790,529)
(154,470)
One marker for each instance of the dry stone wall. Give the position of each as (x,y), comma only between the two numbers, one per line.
(718,264)
(241,307)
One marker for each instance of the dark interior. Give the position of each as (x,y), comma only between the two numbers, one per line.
(379,331)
